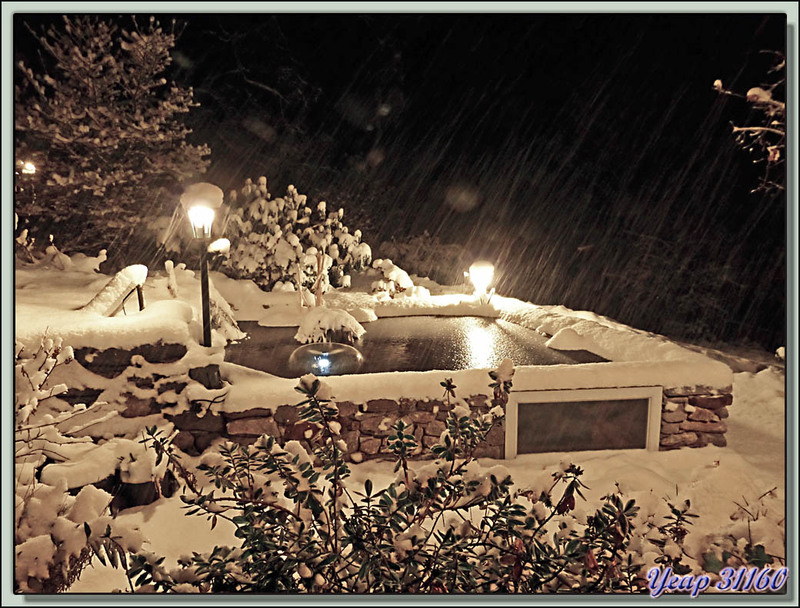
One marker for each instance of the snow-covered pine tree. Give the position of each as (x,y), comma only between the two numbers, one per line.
(104,128)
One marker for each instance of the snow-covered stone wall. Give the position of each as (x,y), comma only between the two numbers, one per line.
(365,427)
(141,386)
(170,381)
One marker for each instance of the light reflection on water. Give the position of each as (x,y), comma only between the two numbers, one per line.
(414,344)
(480,341)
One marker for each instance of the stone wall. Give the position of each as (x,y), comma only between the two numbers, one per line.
(694,420)
(690,417)
(143,381)
(364,427)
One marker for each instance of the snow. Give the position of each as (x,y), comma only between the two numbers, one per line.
(89,503)
(505,371)
(111,296)
(714,478)
(34,556)
(567,338)
(167,321)
(393,274)
(319,320)
(135,462)
(202,193)
(759,95)
(46,302)
(222,246)
(84,263)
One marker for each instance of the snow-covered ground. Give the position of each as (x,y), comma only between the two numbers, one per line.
(716,480)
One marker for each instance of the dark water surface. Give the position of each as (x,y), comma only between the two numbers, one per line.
(413,344)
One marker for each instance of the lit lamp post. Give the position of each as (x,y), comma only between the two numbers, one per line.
(26,168)
(202,218)
(200,200)
(481,274)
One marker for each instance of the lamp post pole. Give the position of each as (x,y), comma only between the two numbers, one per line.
(204,294)
(200,200)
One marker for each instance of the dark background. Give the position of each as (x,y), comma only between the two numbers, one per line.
(587,155)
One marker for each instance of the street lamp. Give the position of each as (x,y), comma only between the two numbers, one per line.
(28,169)
(200,200)
(481,274)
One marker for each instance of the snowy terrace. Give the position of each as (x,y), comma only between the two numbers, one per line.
(716,478)
(242,403)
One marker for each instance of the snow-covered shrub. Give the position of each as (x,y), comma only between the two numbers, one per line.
(756,536)
(23,244)
(56,533)
(426,256)
(395,280)
(104,128)
(450,525)
(321,323)
(285,241)
(29,252)
(753,537)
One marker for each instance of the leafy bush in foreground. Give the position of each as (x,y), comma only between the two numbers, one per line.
(447,526)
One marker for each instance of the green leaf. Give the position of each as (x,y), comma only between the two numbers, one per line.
(726,555)
(711,563)
(112,557)
(757,556)
(99,556)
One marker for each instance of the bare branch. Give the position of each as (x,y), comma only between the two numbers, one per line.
(760,129)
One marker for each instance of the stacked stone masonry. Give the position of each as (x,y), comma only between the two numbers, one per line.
(694,419)
(116,364)
(690,417)
(365,428)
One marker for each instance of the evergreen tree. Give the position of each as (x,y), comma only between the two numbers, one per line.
(104,128)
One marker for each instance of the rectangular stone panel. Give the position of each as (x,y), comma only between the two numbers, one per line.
(567,426)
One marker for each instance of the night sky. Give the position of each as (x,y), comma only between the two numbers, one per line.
(575,150)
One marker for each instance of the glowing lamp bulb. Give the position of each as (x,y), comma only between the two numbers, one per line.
(201,218)
(481,275)
(28,168)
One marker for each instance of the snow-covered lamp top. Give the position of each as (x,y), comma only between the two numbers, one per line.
(200,200)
